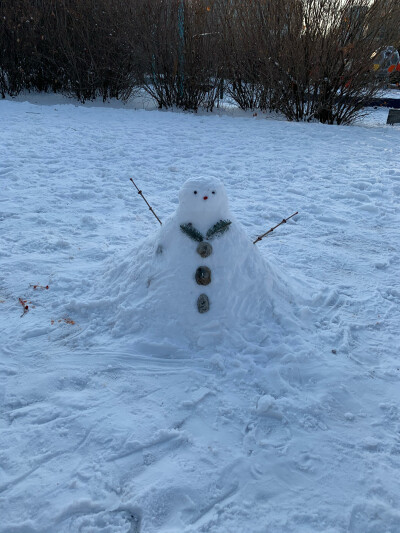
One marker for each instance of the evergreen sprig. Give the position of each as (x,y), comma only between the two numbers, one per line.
(192,232)
(218,229)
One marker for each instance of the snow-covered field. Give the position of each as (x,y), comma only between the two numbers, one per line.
(289,426)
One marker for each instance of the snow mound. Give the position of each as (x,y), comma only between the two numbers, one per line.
(153,292)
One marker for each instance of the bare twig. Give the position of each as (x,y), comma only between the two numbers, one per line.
(148,205)
(272,229)
(24,305)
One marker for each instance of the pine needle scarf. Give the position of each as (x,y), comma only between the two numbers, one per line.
(215,231)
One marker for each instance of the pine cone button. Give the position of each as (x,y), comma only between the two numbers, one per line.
(203,303)
(203,275)
(204,249)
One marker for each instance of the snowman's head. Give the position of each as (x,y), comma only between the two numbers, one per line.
(203,200)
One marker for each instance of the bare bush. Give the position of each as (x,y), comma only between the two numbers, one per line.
(95,47)
(84,48)
(307,59)
(178,52)
(330,59)
(245,52)
(20,66)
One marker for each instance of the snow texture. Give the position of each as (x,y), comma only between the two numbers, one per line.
(125,410)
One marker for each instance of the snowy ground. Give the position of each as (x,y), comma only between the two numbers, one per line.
(298,434)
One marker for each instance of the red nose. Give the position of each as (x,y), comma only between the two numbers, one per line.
(205,197)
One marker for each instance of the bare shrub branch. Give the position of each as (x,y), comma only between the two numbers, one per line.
(306,59)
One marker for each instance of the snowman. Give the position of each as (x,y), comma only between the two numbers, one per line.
(211,265)
(203,217)
(199,276)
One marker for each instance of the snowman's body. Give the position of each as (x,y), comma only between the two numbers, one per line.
(164,292)
(198,242)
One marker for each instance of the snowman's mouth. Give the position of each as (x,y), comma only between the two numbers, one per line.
(205,198)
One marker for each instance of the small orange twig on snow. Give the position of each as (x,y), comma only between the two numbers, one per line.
(24,305)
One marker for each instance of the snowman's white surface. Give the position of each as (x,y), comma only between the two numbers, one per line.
(203,202)
(156,289)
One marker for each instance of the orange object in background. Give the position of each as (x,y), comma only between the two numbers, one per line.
(388,60)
